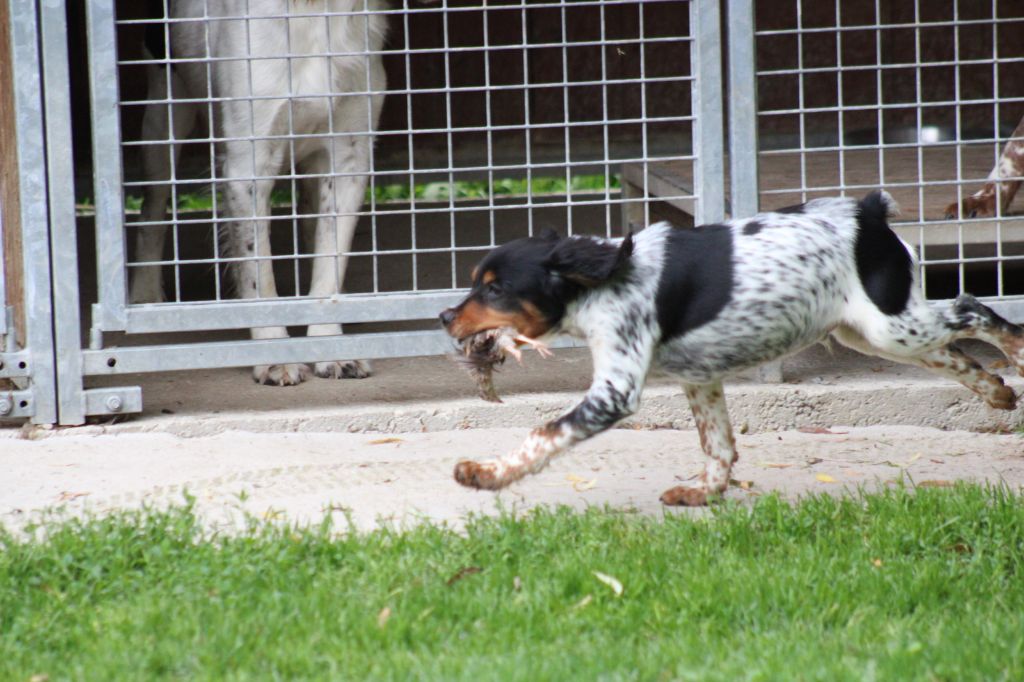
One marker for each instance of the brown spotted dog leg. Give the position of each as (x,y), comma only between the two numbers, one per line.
(716,439)
(944,360)
(1009,165)
(613,396)
(976,320)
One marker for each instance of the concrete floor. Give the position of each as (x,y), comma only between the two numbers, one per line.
(822,386)
(381,450)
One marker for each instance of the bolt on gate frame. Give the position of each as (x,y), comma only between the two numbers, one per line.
(500,119)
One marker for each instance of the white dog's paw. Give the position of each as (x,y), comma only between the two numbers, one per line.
(343,369)
(280,375)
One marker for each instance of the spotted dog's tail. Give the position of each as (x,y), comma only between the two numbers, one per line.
(877,207)
(885,264)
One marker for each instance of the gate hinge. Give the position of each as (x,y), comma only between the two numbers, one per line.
(119,400)
(16,404)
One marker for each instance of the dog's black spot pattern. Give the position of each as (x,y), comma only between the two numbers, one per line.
(883,264)
(697,280)
(752,228)
(601,409)
(970,311)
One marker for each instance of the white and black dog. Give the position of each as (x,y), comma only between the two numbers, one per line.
(281,74)
(705,302)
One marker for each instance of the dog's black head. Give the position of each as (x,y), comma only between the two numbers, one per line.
(527,284)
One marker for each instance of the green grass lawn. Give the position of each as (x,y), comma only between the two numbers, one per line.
(431,191)
(900,585)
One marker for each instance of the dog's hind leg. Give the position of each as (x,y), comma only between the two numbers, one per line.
(159,161)
(973,319)
(942,359)
(716,440)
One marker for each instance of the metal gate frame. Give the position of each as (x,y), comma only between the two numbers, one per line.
(54,362)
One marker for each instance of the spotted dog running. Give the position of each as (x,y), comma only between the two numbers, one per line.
(703,303)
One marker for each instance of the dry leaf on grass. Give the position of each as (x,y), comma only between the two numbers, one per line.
(743,485)
(825,478)
(611,582)
(877,563)
(935,484)
(462,573)
(821,430)
(384,441)
(67,495)
(583,602)
(382,617)
(774,465)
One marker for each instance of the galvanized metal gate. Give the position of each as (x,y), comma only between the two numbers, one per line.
(499,120)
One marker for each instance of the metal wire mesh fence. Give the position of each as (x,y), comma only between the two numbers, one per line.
(387,147)
(917,97)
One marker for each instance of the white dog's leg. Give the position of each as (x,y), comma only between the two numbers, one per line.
(341,195)
(146,284)
(248,238)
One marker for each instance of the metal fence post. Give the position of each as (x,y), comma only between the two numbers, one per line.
(742,109)
(34,220)
(63,239)
(111,254)
(743,177)
(708,138)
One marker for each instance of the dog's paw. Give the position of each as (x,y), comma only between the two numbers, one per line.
(686,496)
(475,475)
(280,375)
(1002,398)
(343,369)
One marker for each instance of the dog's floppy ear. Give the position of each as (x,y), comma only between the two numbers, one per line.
(589,262)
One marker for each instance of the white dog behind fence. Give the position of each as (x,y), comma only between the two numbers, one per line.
(270,115)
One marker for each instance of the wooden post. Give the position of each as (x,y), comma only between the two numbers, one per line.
(10,204)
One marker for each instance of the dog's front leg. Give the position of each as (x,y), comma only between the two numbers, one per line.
(614,395)
(716,440)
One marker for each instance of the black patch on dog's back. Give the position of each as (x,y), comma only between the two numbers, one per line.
(883,264)
(696,282)
(752,228)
